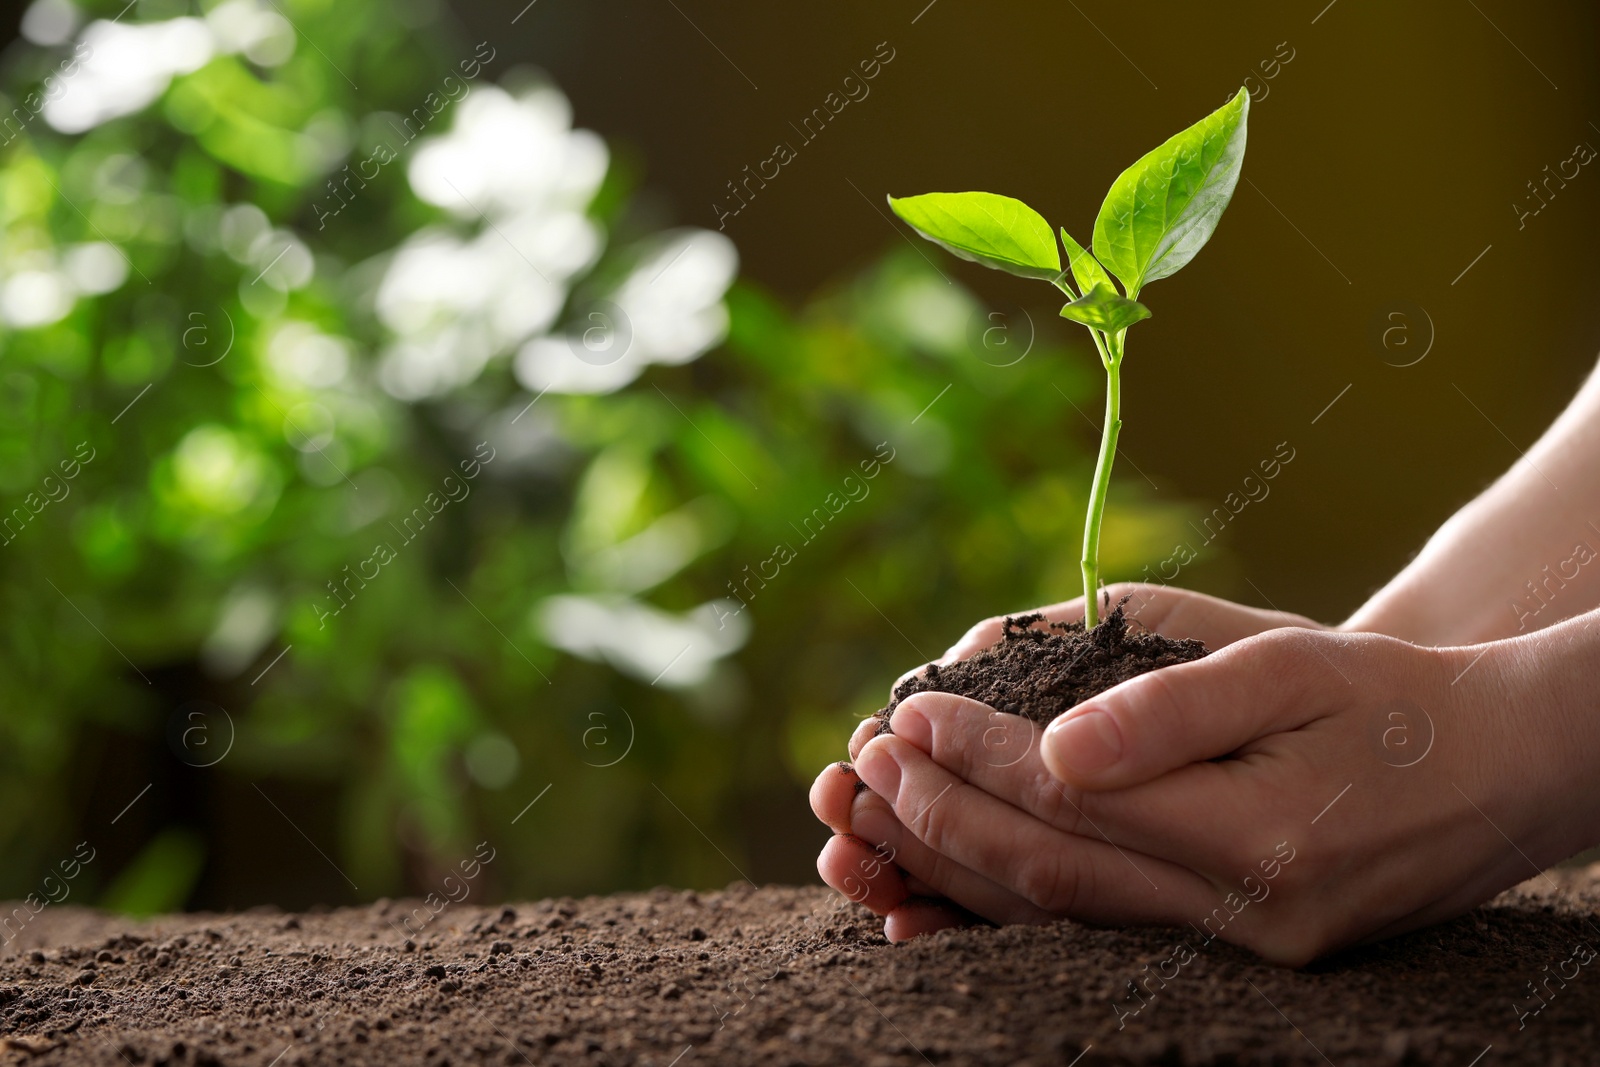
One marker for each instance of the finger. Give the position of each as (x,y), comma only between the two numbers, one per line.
(1170,612)
(1055,872)
(831,795)
(865,731)
(1195,711)
(863,873)
(999,754)
(918,916)
(1180,613)
(876,826)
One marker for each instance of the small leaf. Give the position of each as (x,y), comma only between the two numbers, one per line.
(1161,210)
(1104,310)
(1086,270)
(985,228)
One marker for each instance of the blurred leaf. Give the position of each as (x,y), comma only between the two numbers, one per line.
(249,433)
(160,878)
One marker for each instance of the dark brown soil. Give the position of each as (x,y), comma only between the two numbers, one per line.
(1040,672)
(774,977)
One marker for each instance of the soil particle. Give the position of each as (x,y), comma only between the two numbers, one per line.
(787,976)
(1041,671)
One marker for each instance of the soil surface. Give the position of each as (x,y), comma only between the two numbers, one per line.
(1040,672)
(781,976)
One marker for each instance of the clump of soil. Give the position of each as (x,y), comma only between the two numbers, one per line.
(1041,672)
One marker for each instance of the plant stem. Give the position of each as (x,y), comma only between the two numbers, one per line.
(1111,353)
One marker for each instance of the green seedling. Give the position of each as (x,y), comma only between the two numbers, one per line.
(1157,215)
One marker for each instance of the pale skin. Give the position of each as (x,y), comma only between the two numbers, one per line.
(1125,810)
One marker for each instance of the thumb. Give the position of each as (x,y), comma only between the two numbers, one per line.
(1191,712)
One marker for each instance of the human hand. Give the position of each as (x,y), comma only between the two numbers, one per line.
(1322,827)
(872,876)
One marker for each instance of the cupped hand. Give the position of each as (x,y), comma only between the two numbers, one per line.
(1292,793)
(876,876)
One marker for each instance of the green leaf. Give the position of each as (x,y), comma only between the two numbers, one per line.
(1161,210)
(1086,270)
(160,878)
(1102,308)
(985,228)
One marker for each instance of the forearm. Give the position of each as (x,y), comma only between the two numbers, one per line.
(1522,556)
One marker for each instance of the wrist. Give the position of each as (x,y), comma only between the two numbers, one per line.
(1394,612)
(1421,614)
(1541,689)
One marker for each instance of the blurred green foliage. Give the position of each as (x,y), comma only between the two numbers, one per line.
(200,539)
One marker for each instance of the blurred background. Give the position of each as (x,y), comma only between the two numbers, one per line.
(430,425)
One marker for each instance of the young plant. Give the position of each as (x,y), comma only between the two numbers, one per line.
(1157,215)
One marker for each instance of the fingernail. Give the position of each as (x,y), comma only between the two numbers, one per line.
(874,826)
(865,731)
(1087,743)
(909,724)
(863,800)
(878,769)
